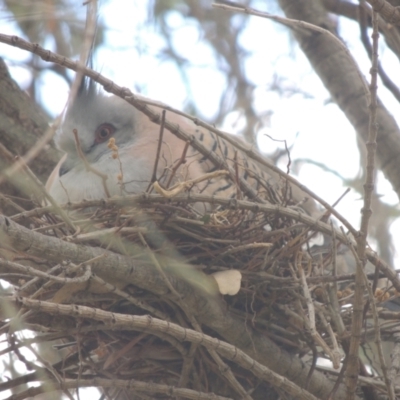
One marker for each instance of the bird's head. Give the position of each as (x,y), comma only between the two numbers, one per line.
(96,118)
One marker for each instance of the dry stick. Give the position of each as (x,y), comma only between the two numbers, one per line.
(395,359)
(331,333)
(237,176)
(26,286)
(246,247)
(61,224)
(160,141)
(201,238)
(333,304)
(71,269)
(43,275)
(9,202)
(142,105)
(99,234)
(333,355)
(228,374)
(390,85)
(344,370)
(310,279)
(182,186)
(187,365)
(289,163)
(88,166)
(334,265)
(181,161)
(357,317)
(115,356)
(378,341)
(387,10)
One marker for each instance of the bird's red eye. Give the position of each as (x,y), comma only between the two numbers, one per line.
(103,133)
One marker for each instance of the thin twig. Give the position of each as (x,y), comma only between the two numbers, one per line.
(334,355)
(159,145)
(366,212)
(378,341)
(181,161)
(88,166)
(187,185)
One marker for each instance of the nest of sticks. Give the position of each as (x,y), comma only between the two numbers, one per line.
(120,294)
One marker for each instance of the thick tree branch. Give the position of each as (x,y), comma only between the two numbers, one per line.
(339,76)
(22,124)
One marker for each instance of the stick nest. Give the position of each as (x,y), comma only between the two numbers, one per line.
(293,292)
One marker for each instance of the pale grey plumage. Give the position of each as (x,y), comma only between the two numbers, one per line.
(135,136)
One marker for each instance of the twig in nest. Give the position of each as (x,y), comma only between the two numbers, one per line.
(40,274)
(333,355)
(378,341)
(237,249)
(103,233)
(331,333)
(237,176)
(160,141)
(289,163)
(181,161)
(187,185)
(88,167)
(74,285)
